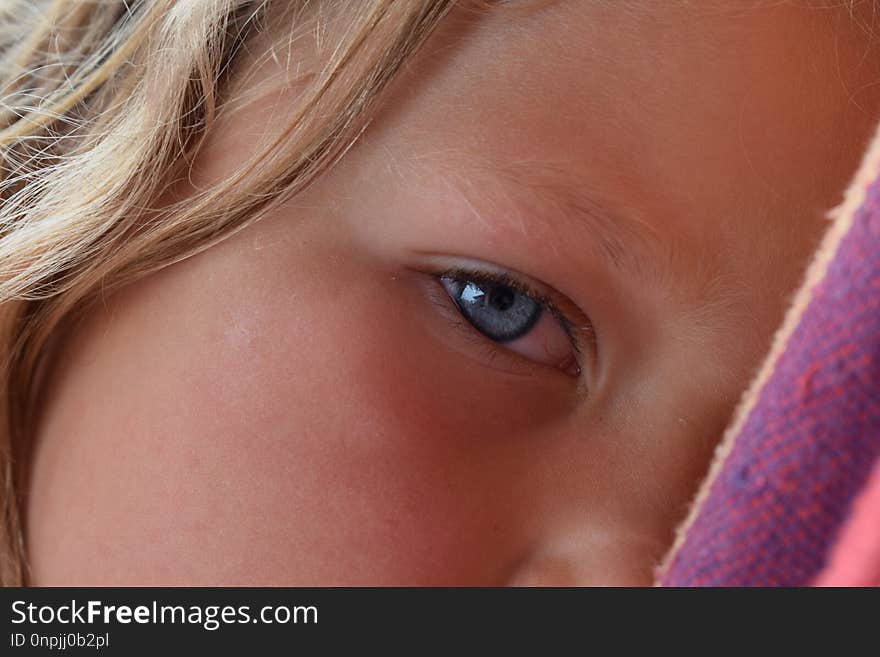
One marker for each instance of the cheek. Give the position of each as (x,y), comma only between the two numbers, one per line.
(389,458)
(313,440)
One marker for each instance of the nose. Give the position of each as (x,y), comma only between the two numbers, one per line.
(593,559)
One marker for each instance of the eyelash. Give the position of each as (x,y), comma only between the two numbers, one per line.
(521,286)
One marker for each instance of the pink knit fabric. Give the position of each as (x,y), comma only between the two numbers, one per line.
(855,559)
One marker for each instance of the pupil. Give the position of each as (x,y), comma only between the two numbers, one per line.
(501,297)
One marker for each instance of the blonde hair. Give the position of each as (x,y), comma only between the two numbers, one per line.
(103,105)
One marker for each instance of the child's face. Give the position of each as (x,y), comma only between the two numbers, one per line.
(304,404)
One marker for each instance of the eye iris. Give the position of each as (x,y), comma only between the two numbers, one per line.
(499,311)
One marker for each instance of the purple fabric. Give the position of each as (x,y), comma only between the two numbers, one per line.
(809,442)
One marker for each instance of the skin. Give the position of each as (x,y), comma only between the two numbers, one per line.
(299,406)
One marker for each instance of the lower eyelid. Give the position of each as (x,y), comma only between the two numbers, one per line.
(550,343)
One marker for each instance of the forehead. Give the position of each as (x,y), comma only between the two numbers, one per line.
(602,83)
(614,88)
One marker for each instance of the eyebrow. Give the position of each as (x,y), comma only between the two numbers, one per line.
(557,198)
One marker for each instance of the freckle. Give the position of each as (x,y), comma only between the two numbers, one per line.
(239,333)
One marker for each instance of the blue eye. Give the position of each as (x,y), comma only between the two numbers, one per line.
(518,314)
(498,311)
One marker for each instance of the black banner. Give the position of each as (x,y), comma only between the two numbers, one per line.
(128,621)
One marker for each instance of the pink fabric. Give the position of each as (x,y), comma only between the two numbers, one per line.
(855,558)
